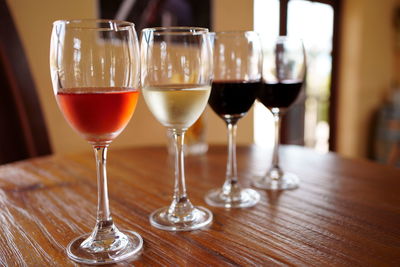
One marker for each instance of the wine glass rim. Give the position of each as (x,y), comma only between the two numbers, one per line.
(178,30)
(84,24)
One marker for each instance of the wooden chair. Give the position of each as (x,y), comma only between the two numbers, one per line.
(23,132)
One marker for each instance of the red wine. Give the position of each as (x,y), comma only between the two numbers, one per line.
(233,97)
(279,95)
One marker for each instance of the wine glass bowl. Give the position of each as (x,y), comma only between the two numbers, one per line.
(284,70)
(237,76)
(176,78)
(95,74)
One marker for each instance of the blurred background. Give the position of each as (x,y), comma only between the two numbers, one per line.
(350,103)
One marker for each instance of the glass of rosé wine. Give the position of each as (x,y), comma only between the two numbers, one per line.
(95,68)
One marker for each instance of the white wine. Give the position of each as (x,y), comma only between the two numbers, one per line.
(177,106)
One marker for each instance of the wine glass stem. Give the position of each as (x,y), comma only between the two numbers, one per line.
(180,205)
(275,156)
(103,210)
(231,168)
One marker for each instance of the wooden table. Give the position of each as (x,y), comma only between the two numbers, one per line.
(346,212)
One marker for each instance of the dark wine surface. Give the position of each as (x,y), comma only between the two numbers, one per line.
(233,97)
(279,95)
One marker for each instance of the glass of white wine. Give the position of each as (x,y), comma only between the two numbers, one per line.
(176,82)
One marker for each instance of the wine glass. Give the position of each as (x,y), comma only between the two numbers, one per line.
(237,78)
(284,71)
(95,74)
(176,79)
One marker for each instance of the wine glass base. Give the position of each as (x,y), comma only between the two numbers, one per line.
(247,198)
(200,217)
(287,181)
(132,247)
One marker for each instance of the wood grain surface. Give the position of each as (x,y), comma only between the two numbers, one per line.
(345,213)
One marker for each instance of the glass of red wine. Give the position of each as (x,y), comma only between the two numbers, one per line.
(237,78)
(95,68)
(284,69)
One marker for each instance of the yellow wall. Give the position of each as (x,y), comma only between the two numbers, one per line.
(366,70)
(34,20)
